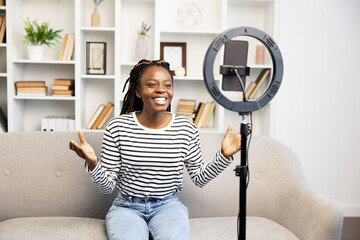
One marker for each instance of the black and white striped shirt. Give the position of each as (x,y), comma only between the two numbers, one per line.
(142,162)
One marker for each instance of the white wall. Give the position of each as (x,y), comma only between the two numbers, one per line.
(318,104)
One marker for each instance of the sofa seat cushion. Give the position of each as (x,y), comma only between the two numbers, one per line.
(54,228)
(257,228)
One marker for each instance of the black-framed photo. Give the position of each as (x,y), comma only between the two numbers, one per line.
(174,53)
(96,58)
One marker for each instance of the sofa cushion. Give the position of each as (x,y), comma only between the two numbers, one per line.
(257,228)
(57,228)
(54,228)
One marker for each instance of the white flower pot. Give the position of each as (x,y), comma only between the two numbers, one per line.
(35,52)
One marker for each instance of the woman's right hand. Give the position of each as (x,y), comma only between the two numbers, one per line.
(84,151)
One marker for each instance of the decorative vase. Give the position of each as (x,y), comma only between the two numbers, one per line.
(95,18)
(141,47)
(35,52)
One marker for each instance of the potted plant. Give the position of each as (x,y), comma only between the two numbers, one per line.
(38,35)
(141,44)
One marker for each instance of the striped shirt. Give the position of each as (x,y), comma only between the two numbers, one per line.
(142,162)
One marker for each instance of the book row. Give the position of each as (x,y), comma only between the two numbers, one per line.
(202,116)
(67,49)
(61,87)
(58,124)
(101,116)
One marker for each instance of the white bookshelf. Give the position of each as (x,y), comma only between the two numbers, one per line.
(120,20)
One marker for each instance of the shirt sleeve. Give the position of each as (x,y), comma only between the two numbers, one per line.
(200,172)
(105,174)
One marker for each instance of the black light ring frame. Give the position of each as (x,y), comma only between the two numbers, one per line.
(243,107)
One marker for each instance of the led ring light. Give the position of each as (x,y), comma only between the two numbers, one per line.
(243,107)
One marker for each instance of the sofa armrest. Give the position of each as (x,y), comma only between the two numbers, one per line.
(311,216)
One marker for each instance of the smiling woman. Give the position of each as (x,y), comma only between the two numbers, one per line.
(143,156)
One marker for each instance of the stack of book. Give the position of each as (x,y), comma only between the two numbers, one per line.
(2,27)
(31,88)
(204,115)
(255,86)
(186,108)
(67,49)
(63,87)
(101,116)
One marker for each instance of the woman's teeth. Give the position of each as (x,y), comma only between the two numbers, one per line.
(159,99)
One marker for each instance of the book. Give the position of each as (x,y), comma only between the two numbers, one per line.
(208,114)
(69,47)
(106,117)
(2,29)
(3,122)
(30,84)
(186,108)
(202,116)
(62,87)
(259,81)
(250,89)
(95,116)
(63,93)
(31,90)
(199,112)
(64,81)
(63,47)
(102,115)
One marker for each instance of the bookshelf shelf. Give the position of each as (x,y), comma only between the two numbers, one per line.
(118,28)
(45,98)
(98,77)
(98,29)
(28,61)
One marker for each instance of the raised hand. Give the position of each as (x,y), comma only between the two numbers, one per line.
(230,144)
(84,151)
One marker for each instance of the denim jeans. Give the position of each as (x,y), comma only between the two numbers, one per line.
(133,218)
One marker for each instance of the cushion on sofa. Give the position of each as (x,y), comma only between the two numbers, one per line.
(58,228)
(54,228)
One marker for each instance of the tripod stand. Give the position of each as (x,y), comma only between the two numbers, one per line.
(242,171)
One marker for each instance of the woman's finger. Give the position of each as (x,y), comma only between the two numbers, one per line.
(81,137)
(229,130)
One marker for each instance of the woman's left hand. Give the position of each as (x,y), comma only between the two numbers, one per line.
(230,144)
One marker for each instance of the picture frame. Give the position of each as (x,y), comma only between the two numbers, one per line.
(96,58)
(174,53)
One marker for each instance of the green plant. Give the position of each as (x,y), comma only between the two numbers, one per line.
(37,34)
(144,29)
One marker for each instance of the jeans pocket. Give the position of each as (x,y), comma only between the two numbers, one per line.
(121,202)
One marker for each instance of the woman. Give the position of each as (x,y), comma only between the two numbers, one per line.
(143,154)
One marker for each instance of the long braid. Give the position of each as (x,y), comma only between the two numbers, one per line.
(131,101)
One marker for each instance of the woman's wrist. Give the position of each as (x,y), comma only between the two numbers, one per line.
(92,163)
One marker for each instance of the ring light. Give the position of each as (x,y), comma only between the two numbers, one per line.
(243,107)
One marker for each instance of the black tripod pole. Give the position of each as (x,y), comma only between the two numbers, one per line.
(242,172)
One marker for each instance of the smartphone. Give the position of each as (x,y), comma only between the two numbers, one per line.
(236,53)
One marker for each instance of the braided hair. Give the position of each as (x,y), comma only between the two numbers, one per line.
(131,101)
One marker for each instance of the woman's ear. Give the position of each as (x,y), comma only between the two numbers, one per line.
(137,92)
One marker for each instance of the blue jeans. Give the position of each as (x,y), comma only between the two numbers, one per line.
(133,218)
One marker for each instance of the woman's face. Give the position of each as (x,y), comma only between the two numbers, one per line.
(155,89)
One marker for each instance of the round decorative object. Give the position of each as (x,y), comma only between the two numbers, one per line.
(35,52)
(188,15)
(180,72)
(243,107)
(141,47)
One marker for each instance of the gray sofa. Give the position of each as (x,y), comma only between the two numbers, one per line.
(45,193)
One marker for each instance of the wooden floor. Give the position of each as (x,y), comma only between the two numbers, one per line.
(351,228)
